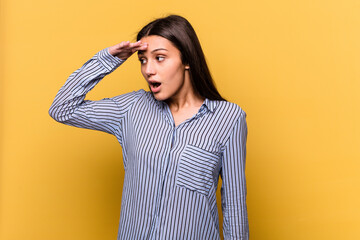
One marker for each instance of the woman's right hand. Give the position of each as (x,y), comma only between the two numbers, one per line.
(124,50)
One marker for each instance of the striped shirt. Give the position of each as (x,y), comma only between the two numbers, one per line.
(171,172)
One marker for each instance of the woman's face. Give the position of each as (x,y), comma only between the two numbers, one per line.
(163,69)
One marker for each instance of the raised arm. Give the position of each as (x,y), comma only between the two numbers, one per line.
(233,189)
(69,106)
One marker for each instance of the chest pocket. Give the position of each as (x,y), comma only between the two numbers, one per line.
(196,169)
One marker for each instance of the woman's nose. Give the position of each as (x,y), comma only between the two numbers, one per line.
(149,68)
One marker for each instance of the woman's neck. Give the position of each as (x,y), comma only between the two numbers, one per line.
(185,101)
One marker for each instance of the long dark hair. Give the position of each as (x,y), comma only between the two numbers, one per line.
(179,31)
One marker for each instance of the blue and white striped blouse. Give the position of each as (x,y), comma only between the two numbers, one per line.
(171,173)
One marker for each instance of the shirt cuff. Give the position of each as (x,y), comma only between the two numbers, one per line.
(109,61)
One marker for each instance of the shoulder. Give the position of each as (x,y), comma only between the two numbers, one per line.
(229,110)
(235,121)
(127,100)
(133,96)
(129,95)
(136,99)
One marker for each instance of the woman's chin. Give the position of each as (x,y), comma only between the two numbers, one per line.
(159,97)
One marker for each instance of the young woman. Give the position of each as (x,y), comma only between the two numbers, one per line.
(177,138)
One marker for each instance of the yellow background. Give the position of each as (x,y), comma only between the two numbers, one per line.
(293,66)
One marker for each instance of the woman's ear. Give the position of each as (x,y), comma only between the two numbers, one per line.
(187,67)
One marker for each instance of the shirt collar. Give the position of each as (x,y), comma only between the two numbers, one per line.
(209,104)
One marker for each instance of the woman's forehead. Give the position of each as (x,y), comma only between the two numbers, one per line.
(157,43)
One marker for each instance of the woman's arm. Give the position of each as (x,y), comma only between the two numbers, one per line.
(233,189)
(69,106)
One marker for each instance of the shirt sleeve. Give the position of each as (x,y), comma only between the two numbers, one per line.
(233,189)
(69,106)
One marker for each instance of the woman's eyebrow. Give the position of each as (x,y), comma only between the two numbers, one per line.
(141,52)
(158,49)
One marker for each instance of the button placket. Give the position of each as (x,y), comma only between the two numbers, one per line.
(164,166)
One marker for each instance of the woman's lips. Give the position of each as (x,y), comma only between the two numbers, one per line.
(154,86)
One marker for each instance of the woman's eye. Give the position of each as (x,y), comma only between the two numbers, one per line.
(142,60)
(160,58)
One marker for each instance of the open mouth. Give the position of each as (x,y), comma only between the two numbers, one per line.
(155,86)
